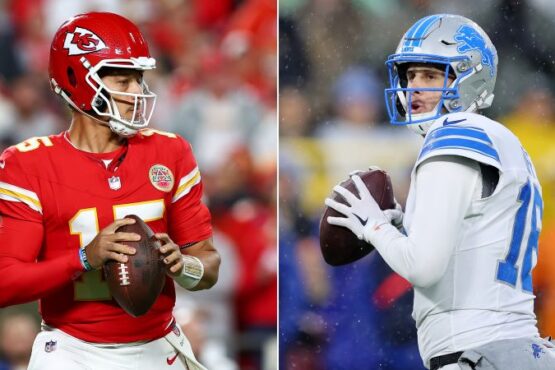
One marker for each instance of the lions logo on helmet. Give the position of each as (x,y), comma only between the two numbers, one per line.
(469,39)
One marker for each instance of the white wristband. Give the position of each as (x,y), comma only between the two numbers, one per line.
(192,273)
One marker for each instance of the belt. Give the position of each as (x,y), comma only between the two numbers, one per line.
(439,361)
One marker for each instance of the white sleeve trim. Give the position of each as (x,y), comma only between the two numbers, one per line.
(14,193)
(444,191)
(186,183)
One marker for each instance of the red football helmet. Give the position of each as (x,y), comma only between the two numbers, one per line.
(81,47)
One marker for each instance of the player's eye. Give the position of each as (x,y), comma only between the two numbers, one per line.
(123,82)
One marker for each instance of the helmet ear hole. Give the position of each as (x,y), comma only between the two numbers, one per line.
(71,76)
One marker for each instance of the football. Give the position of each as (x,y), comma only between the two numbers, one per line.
(338,244)
(136,284)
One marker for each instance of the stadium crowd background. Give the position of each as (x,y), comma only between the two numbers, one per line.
(216,84)
(332,121)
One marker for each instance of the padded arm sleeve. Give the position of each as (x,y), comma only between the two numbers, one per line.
(444,190)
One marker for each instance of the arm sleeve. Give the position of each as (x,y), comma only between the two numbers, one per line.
(21,236)
(444,191)
(189,218)
(24,279)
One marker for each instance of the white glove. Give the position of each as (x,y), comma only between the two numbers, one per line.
(362,216)
(395,215)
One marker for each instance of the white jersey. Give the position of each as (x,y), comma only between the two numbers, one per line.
(485,293)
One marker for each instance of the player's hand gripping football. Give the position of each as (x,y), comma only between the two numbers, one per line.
(173,259)
(107,244)
(363,216)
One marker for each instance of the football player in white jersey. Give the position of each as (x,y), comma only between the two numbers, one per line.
(474,208)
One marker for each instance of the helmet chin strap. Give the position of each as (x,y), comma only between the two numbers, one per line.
(427,120)
(422,127)
(121,129)
(116,127)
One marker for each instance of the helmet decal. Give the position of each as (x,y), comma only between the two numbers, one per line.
(82,41)
(457,47)
(469,39)
(415,34)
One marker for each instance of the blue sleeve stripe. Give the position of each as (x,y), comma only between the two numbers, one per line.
(467,132)
(460,143)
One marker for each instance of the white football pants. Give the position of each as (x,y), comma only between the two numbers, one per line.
(55,350)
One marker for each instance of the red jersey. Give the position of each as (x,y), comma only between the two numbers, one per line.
(70,195)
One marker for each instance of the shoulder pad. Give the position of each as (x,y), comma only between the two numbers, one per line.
(461,140)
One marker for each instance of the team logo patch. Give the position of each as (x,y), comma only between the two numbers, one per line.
(470,39)
(161,177)
(537,351)
(50,346)
(82,41)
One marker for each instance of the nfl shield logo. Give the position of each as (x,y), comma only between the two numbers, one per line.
(114,182)
(50,346)
(176,330)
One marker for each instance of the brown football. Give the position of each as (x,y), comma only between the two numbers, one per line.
(338,244)
(136,284)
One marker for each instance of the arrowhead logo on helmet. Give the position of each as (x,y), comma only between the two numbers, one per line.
(82,41)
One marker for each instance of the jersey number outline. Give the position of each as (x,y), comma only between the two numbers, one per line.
(33,143)
(507,270)
(91,285)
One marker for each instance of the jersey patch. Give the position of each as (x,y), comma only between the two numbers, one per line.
(161,177)
(472,139)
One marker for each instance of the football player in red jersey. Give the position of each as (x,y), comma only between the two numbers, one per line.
(63,197)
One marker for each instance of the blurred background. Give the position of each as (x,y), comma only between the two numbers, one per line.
(332,121)
(216,84)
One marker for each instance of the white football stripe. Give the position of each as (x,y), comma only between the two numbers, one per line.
(16,194)
(186,184)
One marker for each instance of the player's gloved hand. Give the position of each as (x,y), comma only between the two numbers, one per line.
(106,244)
(363,216)
(395,215)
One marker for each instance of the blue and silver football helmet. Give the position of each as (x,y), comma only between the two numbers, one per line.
(454,44)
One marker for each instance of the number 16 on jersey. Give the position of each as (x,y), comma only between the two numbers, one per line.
(526,231)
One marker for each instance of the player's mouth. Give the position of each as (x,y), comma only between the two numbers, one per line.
(417,107)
